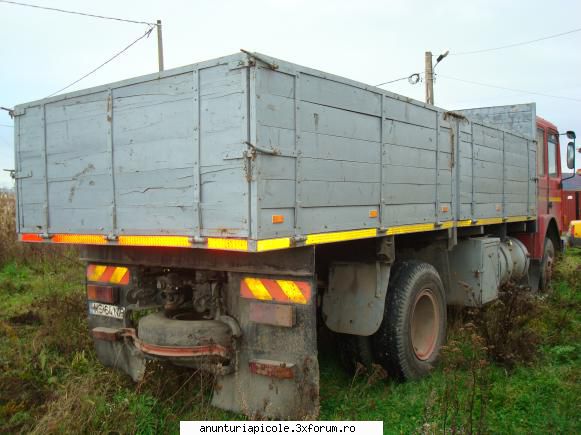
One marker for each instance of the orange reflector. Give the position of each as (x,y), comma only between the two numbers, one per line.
(272,369)
(81,239)
(444,209)
(277,219)
(175,241)
(101,293)
(280,290)
(373,213)
(108,274)
(28,237)
(228,244)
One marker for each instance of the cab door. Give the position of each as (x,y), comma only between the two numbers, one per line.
(554,177)
(542,179)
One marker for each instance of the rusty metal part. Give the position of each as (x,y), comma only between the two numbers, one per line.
(271,65)
(425,324)
(272,314)
(272,369)
(113,334)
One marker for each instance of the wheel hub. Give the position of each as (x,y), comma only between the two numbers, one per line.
(425,324)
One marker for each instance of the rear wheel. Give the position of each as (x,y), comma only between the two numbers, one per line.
(413,329)
(547,265)
(354,352)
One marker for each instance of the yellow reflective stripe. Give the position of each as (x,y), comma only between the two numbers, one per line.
(340,236)
(417,228)
(270,244)
(118,275)
(292,291)
(97,273)
(229,244)
(488,221)
(258,289)
(516,218)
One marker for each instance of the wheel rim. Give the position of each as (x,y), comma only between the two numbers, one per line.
(549,269)
(425,324)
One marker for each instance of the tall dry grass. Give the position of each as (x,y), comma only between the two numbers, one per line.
(11,250)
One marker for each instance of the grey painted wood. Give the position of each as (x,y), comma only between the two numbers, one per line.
(167,153)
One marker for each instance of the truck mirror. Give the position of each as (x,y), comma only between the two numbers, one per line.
(571,135)
(571,155)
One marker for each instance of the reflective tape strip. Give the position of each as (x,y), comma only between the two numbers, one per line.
(418,228)
(119,275)
(271,244)
(257,289)
(286,291)
(341,236)
(108,274)
(94,272)
(228,244)
(292,291)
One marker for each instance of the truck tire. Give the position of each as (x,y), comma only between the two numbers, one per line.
(413,329)
(547,266)
(160,330)
(354,350)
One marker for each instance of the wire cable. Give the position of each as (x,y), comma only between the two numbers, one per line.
(517,44)
(75,12)
(510,89)
(412,78)
(145,35)
(6,125)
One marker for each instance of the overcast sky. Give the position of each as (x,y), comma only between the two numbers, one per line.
(367,40)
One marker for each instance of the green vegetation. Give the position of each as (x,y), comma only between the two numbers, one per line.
(512,368)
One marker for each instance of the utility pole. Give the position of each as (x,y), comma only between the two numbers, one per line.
(429,76)
(160,46)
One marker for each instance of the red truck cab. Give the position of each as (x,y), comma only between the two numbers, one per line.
(552,217)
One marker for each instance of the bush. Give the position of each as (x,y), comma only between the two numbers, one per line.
(32,254)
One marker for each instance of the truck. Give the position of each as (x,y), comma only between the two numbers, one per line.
(572,207)
(230,210)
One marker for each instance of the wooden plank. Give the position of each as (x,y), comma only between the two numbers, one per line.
(320,90)
(336,193)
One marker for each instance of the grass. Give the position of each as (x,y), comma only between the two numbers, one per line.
(525,378)
(50,380)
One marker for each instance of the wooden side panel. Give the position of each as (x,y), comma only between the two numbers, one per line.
(152,141)
(79,165)
(30,165)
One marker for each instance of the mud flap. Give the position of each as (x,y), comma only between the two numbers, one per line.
(118,354)
(277,371)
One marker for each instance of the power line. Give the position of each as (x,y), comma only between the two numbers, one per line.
(412,78)
(76,13)
(6,125)
(509,89)
(146,34)
(517,44)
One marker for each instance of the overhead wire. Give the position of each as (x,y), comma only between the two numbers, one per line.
(408,78)
(146,34)
(516,44)
(85,14)
(509,89)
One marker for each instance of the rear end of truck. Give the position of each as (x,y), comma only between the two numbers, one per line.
(229,210)
(151,178)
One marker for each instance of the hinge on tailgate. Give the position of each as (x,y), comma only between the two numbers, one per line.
(18,175)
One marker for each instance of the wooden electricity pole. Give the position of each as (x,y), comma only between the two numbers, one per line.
(429,76)
(159,46)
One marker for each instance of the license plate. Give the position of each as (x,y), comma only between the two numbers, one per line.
(99,309)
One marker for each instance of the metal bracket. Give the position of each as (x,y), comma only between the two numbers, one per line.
(273,66)
(17,175)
